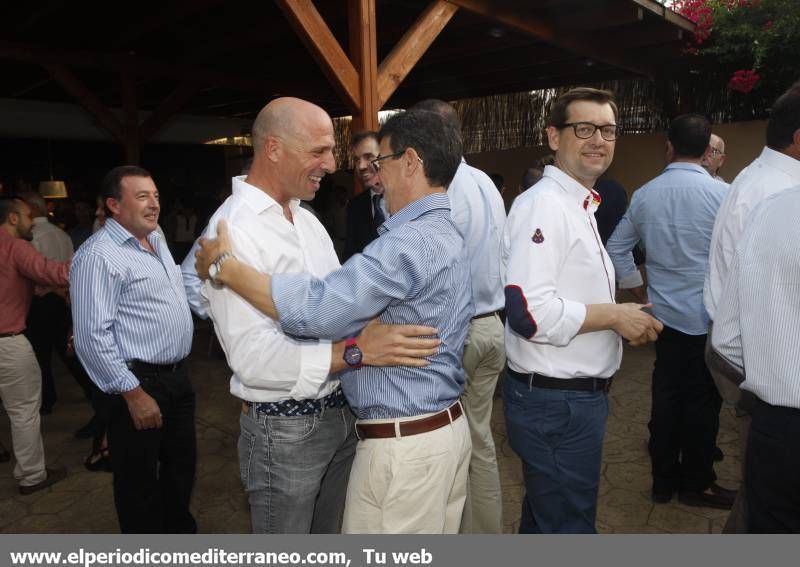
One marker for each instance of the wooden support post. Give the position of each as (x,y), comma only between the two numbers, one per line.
(411,47)
(319,40)
(364,55)
(131,112)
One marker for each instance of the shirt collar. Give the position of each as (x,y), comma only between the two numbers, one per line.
(414,210)
(588,199)
(686,166)
(258,199)
(39,221)
(781,161)
(121,235)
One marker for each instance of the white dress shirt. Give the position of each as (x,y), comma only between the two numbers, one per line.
(51,241)
(757,327)
(268,365)
(768,174)
(555,266)
(478,212)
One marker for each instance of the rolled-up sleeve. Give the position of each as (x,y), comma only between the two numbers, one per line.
(95,289)
(536,239)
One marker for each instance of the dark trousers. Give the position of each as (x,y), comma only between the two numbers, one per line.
(154,469)
(772,465)
(685,415)
(48,324)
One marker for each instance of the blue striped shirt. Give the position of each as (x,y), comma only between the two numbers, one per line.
(127,304)
(673,215)
(417,272)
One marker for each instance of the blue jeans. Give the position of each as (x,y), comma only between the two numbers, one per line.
(295,469)
(558,434)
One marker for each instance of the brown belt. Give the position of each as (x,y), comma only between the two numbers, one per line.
(411,427)
(489,314)
(4,335)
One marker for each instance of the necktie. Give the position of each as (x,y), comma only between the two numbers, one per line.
(377,213)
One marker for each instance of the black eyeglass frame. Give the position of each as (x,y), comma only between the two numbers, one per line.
(596,127)
(375,164)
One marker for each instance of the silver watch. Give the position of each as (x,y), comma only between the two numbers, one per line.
(216,266)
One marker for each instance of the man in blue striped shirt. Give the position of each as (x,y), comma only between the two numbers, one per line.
(133,331)
(410,470)
(673,215)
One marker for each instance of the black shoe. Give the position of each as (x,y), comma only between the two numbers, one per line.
(5,456)
(661,496)
(713,497)
(718,454)
(87,431)
(53,476)
(99,461)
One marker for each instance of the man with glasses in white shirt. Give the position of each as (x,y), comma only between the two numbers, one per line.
(714,159)
(564,329)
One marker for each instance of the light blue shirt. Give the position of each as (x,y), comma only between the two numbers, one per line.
(479,214)
(673,215)
(416,273)
(192,284)
(127,304)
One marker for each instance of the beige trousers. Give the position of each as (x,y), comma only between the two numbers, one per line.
(409,485)
(484,359)
(21,391)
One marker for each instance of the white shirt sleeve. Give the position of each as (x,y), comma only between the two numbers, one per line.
(533,302)
(726,337)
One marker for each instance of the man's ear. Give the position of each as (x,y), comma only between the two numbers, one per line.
(272,148)
(553,137)
(670,152)
(112,205)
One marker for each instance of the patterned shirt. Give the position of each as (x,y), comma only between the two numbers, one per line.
(417,273)
(127,304)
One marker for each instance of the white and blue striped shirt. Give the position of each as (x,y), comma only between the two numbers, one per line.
(757,324)
(416,273)
(127,304)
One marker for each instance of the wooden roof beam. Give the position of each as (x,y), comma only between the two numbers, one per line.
(320,41)
(171,105)
(88,100)
(364,55)
(543,30)
(412,46)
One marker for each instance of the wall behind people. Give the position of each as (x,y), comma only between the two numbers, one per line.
(637,158)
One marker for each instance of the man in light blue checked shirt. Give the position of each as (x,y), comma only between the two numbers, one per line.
(133,330)
(410,470)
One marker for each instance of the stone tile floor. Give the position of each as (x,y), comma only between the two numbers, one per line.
(83,502)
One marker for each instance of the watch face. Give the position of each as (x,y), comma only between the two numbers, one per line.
(352,355)
(212,272)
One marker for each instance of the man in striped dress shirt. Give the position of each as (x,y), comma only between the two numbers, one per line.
(410,470)
(133,331)
(757,329)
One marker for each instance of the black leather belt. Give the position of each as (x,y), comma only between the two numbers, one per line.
(145,367)
(489,314)
(582,384)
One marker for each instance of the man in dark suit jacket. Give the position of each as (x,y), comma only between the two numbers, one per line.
(366,211)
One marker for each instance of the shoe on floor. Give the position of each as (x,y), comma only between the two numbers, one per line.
(53,476)
(713,497)
(718,454)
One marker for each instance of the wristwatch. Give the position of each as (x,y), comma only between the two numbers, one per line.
(216,266)
(352,354)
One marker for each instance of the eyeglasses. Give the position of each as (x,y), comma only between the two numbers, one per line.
(376,163)
(585,130)
(716,152)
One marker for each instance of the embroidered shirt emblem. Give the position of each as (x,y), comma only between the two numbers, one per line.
(538,237)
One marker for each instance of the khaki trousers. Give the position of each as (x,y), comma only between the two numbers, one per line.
(484,359)
(409,485)
(21,391)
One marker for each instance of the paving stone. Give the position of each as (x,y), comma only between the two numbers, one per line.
(54,502)
(36,524)
(11,510)
(629,476)
(621,507)
(677,520)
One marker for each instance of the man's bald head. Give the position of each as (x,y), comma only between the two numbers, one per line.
(285,117)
